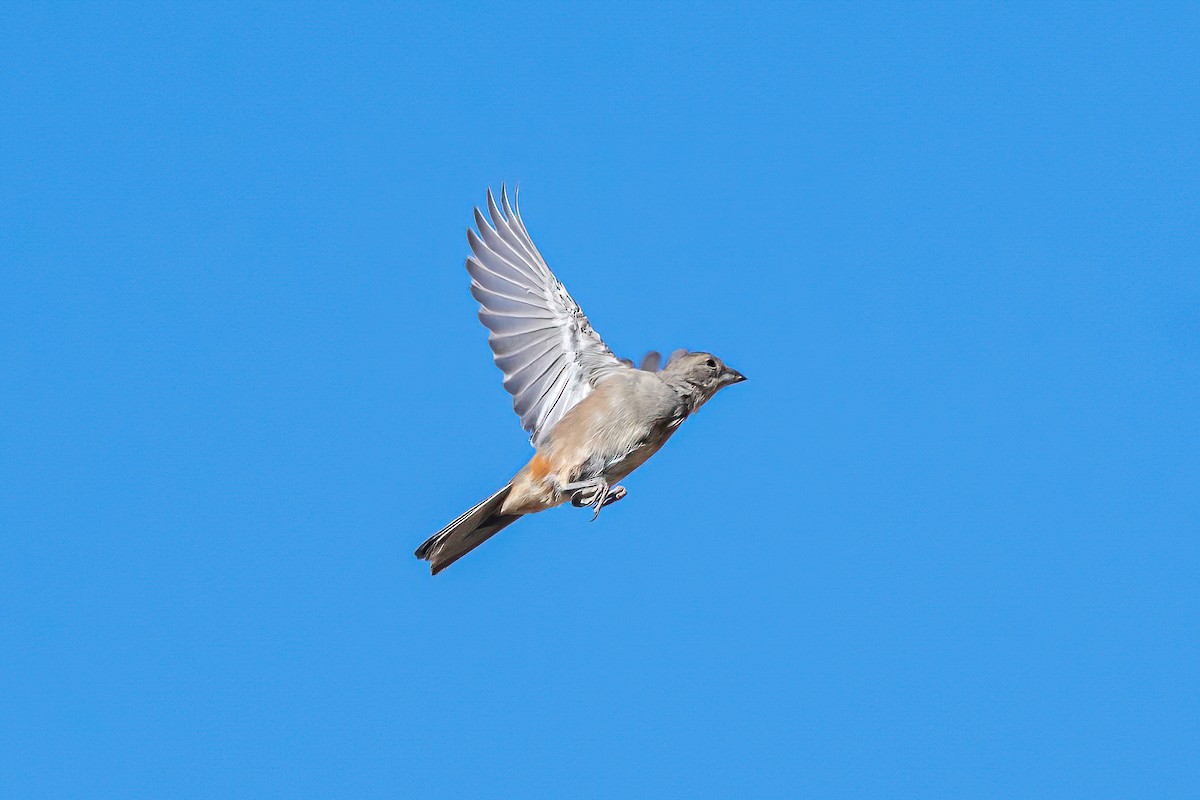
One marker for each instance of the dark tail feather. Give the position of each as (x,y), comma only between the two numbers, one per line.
(467,532)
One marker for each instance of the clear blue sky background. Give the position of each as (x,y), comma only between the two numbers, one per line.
(944,542)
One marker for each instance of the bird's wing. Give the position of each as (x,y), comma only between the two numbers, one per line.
(549,353)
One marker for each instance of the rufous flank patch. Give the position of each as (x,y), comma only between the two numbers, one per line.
(539,467)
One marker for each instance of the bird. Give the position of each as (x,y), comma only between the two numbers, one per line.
(592,418)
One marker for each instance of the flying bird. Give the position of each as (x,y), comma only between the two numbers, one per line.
(592,418)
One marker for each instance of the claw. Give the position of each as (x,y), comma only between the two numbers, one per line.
(601,499)
(610,496)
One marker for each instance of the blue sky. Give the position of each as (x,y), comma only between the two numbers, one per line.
(943,543)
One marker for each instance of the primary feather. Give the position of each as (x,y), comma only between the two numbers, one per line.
(548,351)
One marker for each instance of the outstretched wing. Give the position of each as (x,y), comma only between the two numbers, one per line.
(549,354)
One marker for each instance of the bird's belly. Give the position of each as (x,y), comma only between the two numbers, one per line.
(631,462)
(620,468)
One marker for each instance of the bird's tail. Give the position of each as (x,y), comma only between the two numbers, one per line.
(466,533)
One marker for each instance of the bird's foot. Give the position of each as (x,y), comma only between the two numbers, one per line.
(587,493)
(596,494)
(614,494)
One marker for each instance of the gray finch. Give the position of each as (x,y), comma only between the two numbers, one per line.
(592,418)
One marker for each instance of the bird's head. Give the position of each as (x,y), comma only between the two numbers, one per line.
(699,375)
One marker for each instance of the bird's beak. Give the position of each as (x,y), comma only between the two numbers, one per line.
(732,376)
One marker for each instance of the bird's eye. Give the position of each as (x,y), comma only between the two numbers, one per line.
(710,364)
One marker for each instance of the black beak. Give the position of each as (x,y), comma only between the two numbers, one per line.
(732,376)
